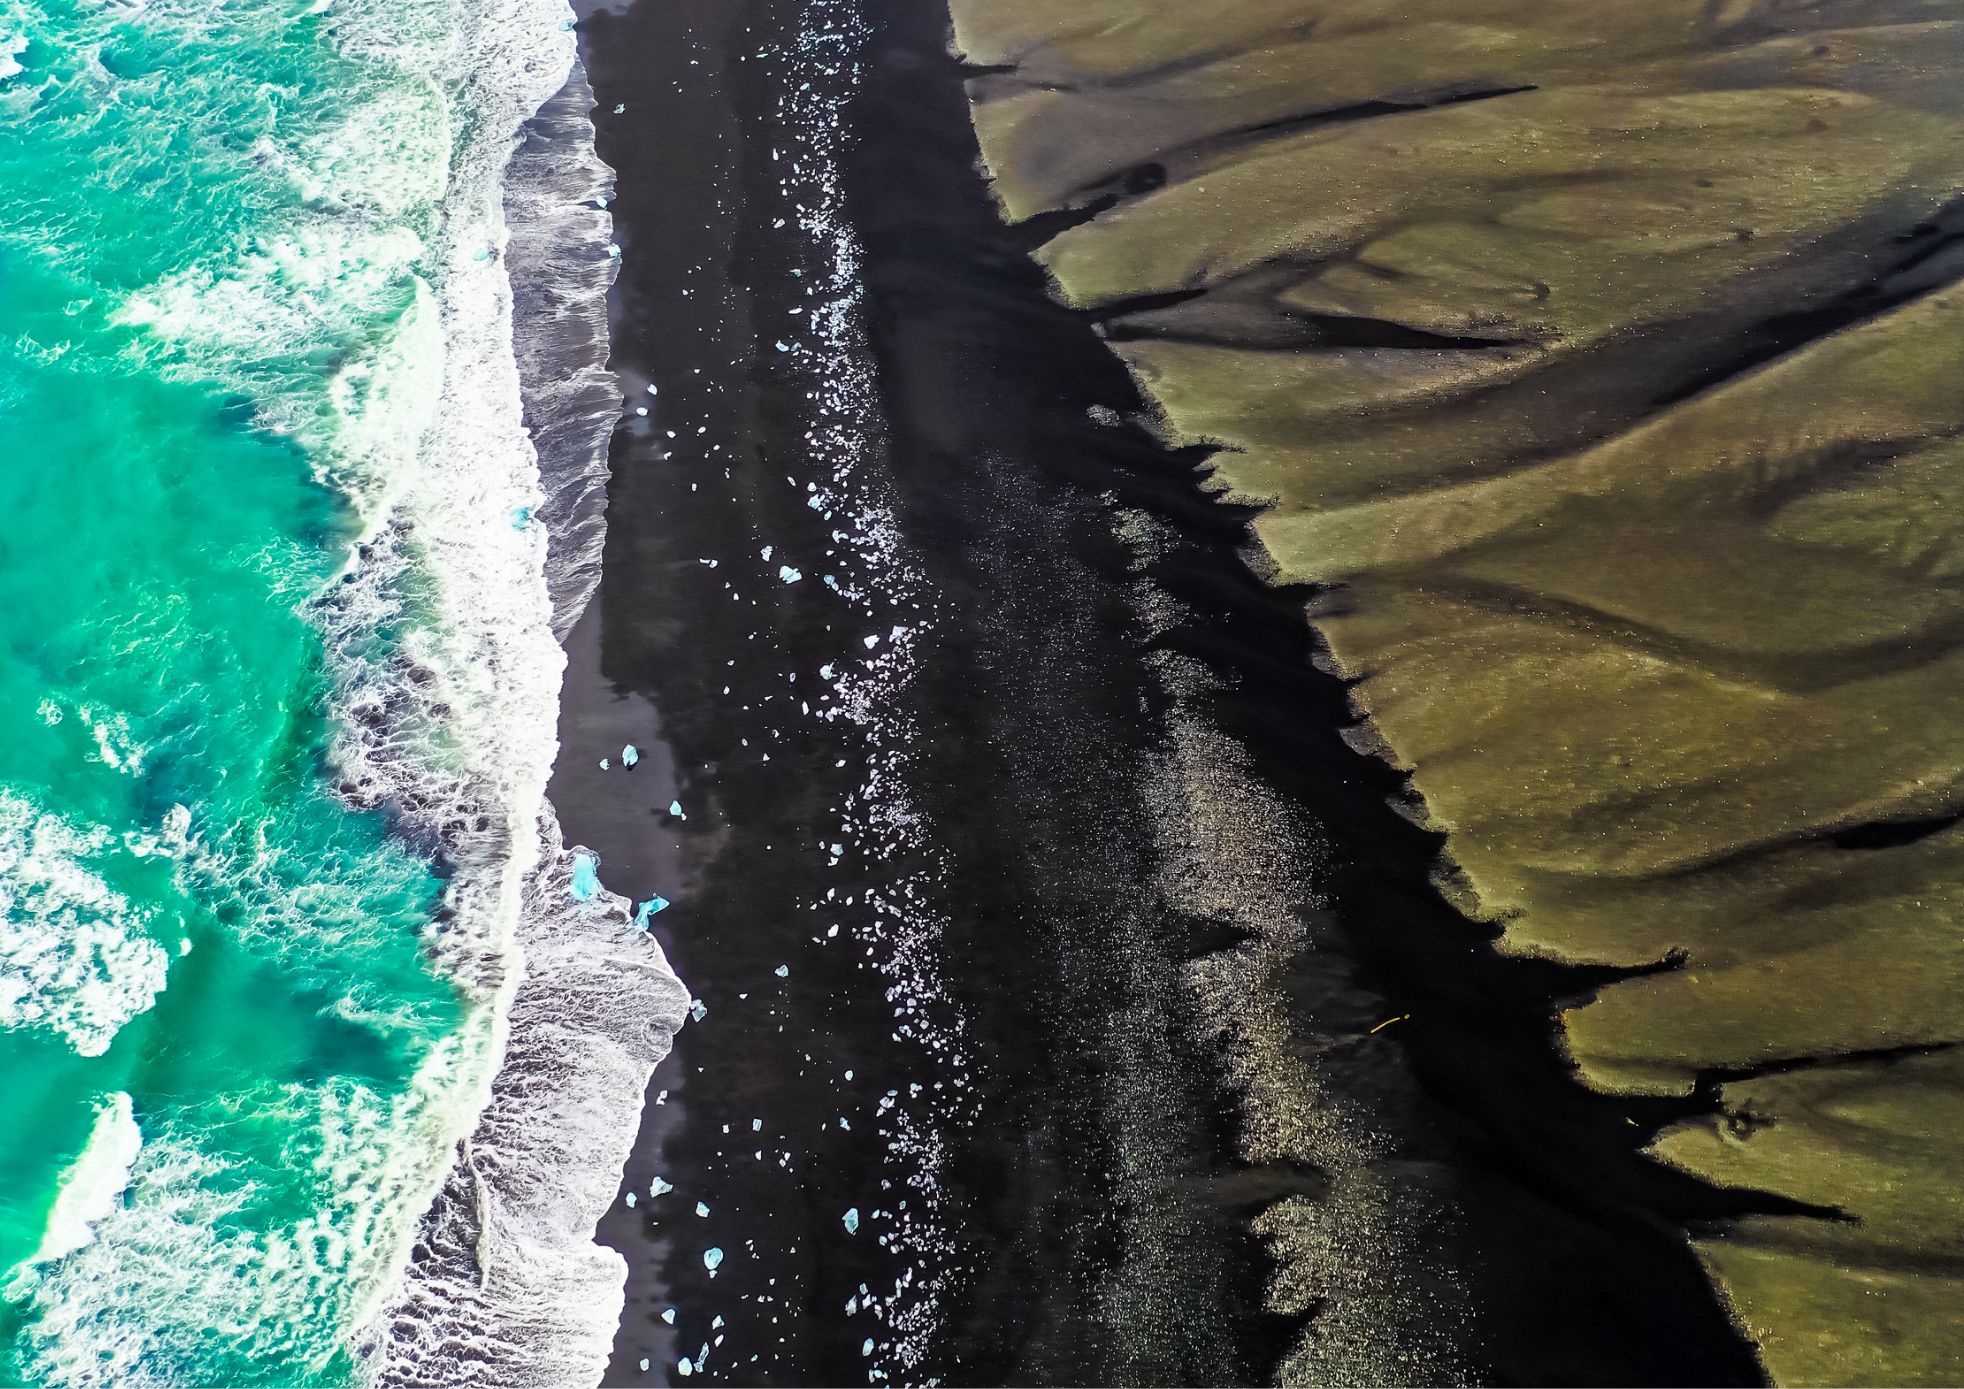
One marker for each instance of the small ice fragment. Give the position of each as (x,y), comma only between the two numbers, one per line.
(617,111)
(657,1187)
(872,641)
(867,1348)
(715,1322)
(521,517)
(784,971)
(852,1306)
(684,1368)
(640,409)
(630,755)
(838,851)
(675,809)
(833,932)
(756,1125)
(649,908)
(702,1209)
(788,574)
(711,1257)
(698,1010)
(630,1199)
(765,553)
(606,764)
(825,672)
(848,1075)
(852,1221)
(644,1364)
(586,876)
(651,390)
(669,1316)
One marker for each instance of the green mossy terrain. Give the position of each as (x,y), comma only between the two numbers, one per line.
(1603,366)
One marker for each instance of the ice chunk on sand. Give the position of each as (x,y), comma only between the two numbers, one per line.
(586,876)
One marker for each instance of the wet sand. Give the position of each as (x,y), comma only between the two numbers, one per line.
(1015,934)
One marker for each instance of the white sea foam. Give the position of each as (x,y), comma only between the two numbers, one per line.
(74,957)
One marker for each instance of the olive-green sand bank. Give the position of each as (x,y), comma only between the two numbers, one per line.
(1603,366)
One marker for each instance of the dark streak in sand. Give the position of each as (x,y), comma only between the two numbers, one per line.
(1035,711)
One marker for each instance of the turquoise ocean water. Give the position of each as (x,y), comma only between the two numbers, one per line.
(275,708)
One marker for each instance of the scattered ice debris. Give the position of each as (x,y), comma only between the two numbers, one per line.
(711,1258)
(675,809)
(852,1221)
(698,1009)
(586,877)
(702,1210)
(649,908)
(630,1200)
(784,971)
(521,517)
(657,1187)
(630,755)
(788,574)
(669,1316)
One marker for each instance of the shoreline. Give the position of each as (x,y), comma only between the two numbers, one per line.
(500,1261)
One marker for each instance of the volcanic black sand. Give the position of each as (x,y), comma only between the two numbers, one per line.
(1000,1037)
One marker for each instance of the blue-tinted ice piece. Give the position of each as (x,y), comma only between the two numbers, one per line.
(521,517)
(788,574)
(669,1316)
(675,809)
(586,877)
(784,971)
(684,1368)
(698,1010)
(715,1322)
(648,909)
(867,1348)
(630,755)
(702,1208)
(711,1258)
(631,1198)
(852,1221)
(658,1186)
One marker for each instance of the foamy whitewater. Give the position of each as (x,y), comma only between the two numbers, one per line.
(319,1074)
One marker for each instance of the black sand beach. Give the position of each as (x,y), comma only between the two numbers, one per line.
(1003,1062)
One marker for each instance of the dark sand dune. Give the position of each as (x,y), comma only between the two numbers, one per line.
(1601,367)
